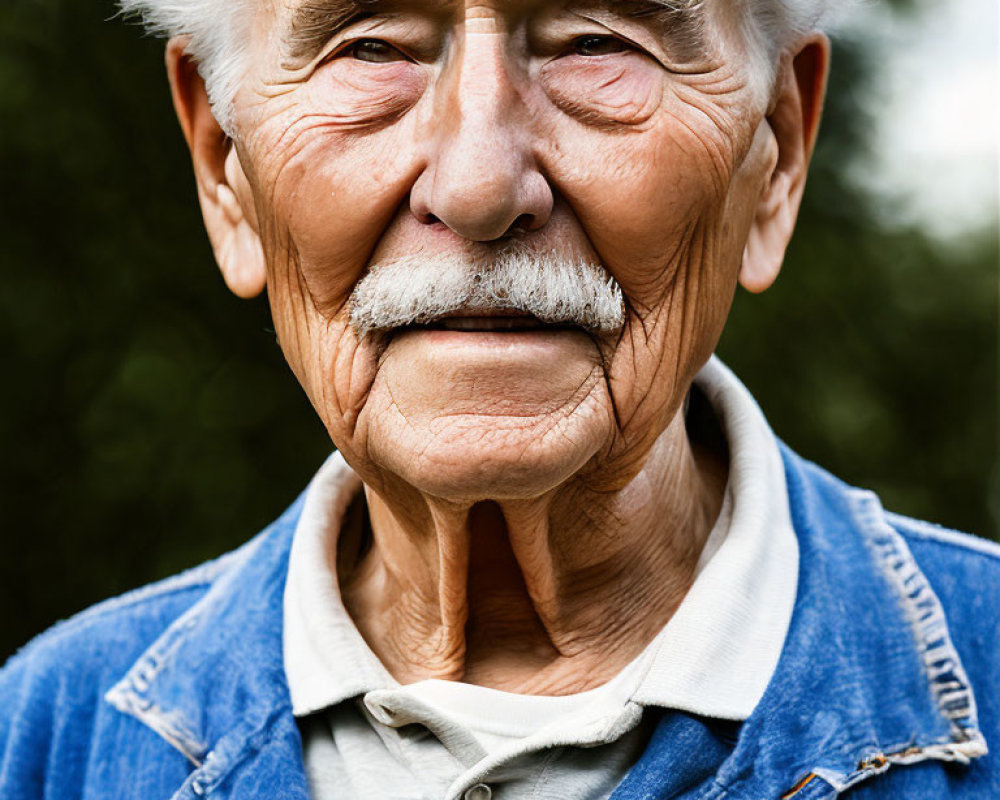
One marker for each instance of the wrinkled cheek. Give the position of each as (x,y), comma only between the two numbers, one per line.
(655,209)
(325,237)
(645,210)
(325,196)
(333,366)
(655,201)
(331,198)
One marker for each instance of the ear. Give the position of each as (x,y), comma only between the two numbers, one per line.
(794,122)
(223,190)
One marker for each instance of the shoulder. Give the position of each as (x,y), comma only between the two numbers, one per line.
(963,570)
(951,553)
(106,635)
(949,558)
(965,573)
(938,572)
(61,734)
(52,691)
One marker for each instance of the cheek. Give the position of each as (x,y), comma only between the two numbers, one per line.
(607,92)
(647,197)
(330,186)
(655,201)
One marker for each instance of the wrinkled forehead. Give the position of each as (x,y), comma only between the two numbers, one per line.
(302,26)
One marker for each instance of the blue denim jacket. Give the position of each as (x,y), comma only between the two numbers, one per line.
(178,690)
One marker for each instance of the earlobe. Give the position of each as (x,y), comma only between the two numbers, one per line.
(223,190)
(793,124)
(765,247)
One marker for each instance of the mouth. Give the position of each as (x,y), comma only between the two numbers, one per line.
(501,337)
(491,323)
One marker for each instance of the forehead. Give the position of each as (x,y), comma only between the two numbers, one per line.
(455,7)
(305,24)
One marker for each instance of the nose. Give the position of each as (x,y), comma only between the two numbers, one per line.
(481,179)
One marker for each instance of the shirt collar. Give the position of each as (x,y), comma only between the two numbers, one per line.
(718,652)
(715,656)
(326,659)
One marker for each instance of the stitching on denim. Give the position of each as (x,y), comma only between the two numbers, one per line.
(940,749)
(167,724)
(717,790)
(949,684)
(928,531)
(128,695)
(877,763)
(243,743)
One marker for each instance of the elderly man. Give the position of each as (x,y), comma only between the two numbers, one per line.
(558,553)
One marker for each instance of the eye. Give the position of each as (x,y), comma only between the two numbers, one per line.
(375,51)
(599,45)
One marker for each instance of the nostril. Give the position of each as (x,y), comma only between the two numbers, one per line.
(425,217)
(523,224)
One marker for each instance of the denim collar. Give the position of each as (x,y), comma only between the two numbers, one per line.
(868,678)
(213,685)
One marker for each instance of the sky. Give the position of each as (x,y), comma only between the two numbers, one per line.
(937,110)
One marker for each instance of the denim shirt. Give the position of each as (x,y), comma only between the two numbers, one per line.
(888,685)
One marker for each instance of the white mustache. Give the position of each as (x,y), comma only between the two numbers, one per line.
(420,289)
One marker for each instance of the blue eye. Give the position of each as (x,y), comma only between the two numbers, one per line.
(599,45)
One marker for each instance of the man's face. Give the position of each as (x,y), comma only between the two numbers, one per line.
(626,134)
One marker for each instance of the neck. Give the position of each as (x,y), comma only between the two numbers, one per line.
(552,595)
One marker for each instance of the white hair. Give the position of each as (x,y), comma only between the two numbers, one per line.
(219,32)
(776,23)
(424,288)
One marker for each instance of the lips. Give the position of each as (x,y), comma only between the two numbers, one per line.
(490,324)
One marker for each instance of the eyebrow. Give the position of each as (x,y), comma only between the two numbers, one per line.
(313,22)
(682,23)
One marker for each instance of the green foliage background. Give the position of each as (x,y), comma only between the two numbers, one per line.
(148,419)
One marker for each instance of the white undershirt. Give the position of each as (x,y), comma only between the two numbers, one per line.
(365,736)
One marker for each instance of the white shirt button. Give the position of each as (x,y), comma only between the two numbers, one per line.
(479,792)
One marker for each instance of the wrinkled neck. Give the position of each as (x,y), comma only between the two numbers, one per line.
(551,595)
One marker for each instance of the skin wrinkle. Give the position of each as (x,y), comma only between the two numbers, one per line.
(726,160)
(549,427)
(538,549)
(633,112)
(313,23)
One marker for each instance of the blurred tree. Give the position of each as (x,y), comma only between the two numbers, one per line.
(150,421)
(875,353)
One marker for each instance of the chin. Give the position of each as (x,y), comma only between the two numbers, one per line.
(470,459)
(479,417)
